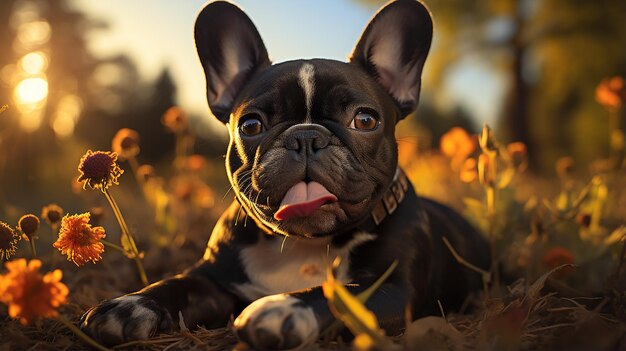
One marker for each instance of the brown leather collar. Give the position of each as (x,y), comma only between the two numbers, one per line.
(392,198)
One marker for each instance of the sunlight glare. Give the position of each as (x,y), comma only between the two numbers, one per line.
(31,91)
(34,62)
(67,114)
(7,73)
(34,33)
(31,120)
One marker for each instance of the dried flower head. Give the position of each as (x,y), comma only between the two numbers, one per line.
(52,214)
(79,240)
(126,143)
(146,172)
(28,224)
(29,294)
(517,150)
(457,144)
(99,169)
(611,92)
(175,120)
(8,240)
(564,166)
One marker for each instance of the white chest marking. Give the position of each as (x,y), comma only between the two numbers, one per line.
(302,264)
(306,78)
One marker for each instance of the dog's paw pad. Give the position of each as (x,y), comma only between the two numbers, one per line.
(277,322)
(126,318)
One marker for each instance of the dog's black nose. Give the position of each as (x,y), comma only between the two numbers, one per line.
(308,138)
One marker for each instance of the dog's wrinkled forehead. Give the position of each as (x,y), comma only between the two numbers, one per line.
(307,91)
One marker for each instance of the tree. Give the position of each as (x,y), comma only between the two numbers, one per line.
(552,54)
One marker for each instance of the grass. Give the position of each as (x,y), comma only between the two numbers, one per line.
(561,237)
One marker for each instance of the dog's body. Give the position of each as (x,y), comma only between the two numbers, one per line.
(313,162)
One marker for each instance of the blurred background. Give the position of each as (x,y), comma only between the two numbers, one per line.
(74,72)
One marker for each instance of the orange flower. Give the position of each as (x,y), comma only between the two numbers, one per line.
(195,163)
(79,241)
(30,295)
(457,144)
(99,169)
(8,240)
(468,171)
(175,119)
(611,92)
(126,143)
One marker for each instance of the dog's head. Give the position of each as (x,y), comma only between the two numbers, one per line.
(312,146)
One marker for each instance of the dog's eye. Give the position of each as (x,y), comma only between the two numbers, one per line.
(251,126)
(364,121)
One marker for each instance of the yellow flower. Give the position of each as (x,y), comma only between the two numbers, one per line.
(79,240)
(99,169)
(126,143)
(29,294)
(8,240)
(28,224)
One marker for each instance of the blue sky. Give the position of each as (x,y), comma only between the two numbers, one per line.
(159,33)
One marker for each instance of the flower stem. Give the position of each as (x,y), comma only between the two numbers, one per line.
(491,215)
(33,250)
(113,246)
(81,335)
(129,237)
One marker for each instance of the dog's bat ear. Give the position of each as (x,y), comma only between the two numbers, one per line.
(231,50)
(393,49)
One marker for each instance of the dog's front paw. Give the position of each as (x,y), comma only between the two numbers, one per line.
(126,318)
(277,322)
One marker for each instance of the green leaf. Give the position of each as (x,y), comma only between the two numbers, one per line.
(127,245)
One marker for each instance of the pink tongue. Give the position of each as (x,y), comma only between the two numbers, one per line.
(303,199)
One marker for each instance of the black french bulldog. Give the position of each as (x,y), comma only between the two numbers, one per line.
(312,159)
